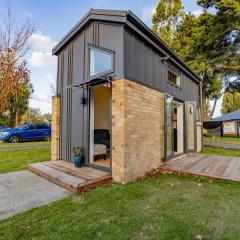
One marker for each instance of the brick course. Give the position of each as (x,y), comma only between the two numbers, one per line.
(137,130)
(55,128)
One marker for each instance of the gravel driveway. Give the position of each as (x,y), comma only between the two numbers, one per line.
(23,190)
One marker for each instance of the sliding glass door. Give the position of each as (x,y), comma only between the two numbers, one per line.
(168,127)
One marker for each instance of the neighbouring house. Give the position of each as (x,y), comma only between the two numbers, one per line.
(227,125)
(124,96)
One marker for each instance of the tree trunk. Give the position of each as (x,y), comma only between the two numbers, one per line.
(17,118)
(204,109)
(213,109)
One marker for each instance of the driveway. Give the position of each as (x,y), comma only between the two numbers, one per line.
(23,190)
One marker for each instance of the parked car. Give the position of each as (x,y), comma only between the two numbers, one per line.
(27,132)
(3,127)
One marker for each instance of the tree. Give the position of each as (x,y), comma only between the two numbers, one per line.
(210,44)
(168,15)
(14,74)
(194,48)
(19,101)
(231,102)
(33,115)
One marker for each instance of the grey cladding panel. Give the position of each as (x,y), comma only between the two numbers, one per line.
(77,119)
(111,37)
(65,68)
(88,39)
(142,63)
(78,59)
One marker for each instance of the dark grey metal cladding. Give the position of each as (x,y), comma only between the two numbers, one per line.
(73,69)
(111,37)
(142,63)
(116,16)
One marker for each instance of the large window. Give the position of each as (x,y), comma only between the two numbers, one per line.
(101,62)
(174,78)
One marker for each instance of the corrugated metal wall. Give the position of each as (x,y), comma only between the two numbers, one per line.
(142,64)
(73,68)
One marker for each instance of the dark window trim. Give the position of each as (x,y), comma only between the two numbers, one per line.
(103,50)
(170,69)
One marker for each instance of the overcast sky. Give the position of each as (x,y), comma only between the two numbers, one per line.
(54,19)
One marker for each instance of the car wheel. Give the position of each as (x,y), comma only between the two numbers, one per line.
(47,138)
(14,139)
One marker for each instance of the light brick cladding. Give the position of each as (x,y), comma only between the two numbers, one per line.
(137,130)
(55,128)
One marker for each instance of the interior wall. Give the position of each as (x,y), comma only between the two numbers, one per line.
(102,110)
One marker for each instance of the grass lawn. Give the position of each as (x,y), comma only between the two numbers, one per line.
(25,144)
(221,151)
(165,207)
(15,160)
(222,139)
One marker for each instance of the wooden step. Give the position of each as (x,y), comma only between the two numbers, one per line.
(69,177)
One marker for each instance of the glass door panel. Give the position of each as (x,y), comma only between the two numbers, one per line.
(169,127)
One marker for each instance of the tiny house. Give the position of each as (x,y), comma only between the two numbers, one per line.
(124,96)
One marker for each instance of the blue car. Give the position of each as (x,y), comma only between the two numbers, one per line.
(28,132)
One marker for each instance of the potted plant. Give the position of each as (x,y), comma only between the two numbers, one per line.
(78,156)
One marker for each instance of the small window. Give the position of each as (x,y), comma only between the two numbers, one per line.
(101,62)
(174,78)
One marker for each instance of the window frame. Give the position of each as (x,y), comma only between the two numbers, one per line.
(103,50)
(177,74)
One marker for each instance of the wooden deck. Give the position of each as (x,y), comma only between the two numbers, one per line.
(212,166)
(66,175)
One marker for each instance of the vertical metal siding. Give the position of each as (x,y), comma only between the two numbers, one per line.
(143,64)
(110,36)
(76,106)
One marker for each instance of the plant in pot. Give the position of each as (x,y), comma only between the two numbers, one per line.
(78,156)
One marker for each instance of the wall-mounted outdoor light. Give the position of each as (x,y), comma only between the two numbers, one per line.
(191,110)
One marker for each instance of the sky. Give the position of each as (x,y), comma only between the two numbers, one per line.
(54,18)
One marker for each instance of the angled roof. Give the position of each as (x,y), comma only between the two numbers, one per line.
(134,23)
(228,117)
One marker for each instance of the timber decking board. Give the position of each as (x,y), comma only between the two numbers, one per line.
(69,177)
(213,166)
(233,173)
(69,171)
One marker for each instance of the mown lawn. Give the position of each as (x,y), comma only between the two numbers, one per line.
(15,160)
(222,139)
(165,207)
(42,143)
(221,151)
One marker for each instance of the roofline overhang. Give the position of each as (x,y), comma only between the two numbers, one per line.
(94,14)
(134,23)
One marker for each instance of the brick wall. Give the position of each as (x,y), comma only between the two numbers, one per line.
(55,128)
(137,130)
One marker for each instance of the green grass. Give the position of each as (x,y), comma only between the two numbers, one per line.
(25,144)
(222,139)
(166,207)
(221,151)
(15,160)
